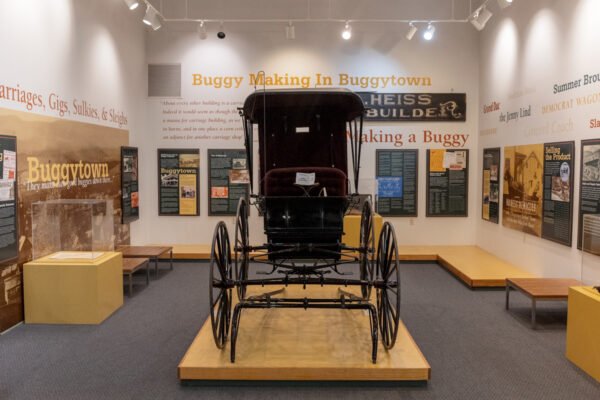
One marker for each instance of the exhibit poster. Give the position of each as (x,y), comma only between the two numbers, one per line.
(58,159)
(589,188)
(178,173)
(396,175)
(557,221)
(9,249)
(130,193)
(228,180)
(447,182)
(490,205)
(448,107)
(522,188)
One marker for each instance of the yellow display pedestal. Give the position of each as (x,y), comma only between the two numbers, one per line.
(352,229)
(72,291)
(583,330)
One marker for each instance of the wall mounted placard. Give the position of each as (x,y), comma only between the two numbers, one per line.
(537,190)
(589,187)
(9,244)
(447,183)
(446,107)
(178,181)
(522,188)
(130,200)
(396,176)
(228,180)
(557,221)
(490,206)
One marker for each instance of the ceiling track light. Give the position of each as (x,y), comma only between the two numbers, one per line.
(412,29)
(480,17)
(429,32)
(504,3)
(202,34)
(151,18)
(132,4)
(221,33)
(290,31)
(347,32)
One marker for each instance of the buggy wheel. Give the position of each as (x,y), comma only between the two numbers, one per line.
(367,246)
(388,287)
(220,281)
(240,247)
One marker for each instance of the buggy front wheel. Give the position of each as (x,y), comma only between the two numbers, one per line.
(240,247)
(388,286)
(220,285)
(367,247)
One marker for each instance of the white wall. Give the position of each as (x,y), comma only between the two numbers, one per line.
(451,60)
(90,51)
(524,51)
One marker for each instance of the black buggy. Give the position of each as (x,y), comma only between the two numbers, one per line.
(303,195)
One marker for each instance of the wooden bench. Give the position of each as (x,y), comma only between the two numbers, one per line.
(540,289)
(152,252)
(130,265)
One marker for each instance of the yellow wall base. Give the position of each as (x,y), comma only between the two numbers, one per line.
(583,330)
(72,291)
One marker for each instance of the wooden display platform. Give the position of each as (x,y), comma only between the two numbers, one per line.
(473,265)
(297,344)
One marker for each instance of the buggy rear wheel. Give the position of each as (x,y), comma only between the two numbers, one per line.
(240,247)
(367,246)
(388,287)
(220,281)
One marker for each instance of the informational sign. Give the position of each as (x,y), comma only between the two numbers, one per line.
(228,180)
(557,221)
(538,190)
(9,245)
(130,194)
(446,107)
(396,175)
(178,181)
(589,188)
(522,188)
(447,183)
(490,205)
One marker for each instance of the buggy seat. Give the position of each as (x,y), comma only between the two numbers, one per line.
(280,181)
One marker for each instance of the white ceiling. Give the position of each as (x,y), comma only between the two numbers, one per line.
(316,9)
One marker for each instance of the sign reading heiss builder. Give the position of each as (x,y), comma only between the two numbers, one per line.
(415,106)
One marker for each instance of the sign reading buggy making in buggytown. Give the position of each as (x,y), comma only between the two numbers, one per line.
(415,106)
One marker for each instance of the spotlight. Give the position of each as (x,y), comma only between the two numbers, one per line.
(411,31)
(504,3)
(221,33)
(480,17)
(202,31)
(290,31)
(428,34)
(151,18)
(132,4)
(346,33)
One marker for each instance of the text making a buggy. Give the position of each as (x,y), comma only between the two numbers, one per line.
(303,195)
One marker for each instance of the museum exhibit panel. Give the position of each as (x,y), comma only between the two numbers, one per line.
(379,198)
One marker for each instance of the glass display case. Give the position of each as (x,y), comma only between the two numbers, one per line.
(590,259)
(72,228)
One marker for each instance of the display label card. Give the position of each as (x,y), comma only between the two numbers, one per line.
(178,177)
(228,180)
(305,179)
(396,176)
(447,187)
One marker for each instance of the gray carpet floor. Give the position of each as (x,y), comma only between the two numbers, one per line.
(476,349)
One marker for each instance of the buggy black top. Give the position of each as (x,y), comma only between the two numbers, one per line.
(303,194)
